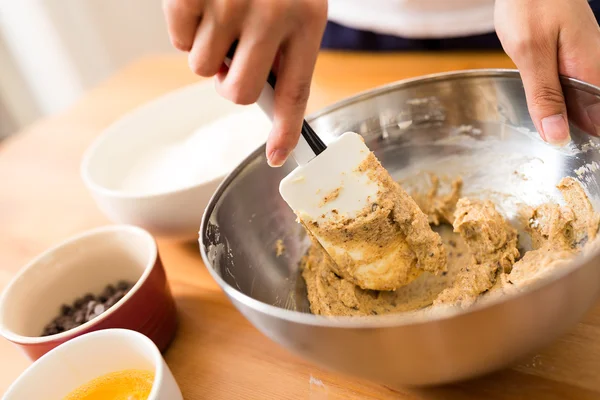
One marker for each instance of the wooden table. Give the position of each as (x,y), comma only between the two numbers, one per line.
(217,354)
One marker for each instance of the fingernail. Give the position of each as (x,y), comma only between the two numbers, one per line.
(277,157)
(555,129)
(593,112)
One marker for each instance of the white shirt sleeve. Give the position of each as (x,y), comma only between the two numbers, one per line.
(420,19)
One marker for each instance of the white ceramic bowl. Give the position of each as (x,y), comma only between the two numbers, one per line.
(90,356)
(176,211)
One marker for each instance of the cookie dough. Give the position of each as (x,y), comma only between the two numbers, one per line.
(386,245)
(331,295)
(557,234)
(279,248)
(481,252)
(439,207)
(493,246)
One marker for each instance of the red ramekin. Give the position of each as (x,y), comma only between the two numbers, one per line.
(86,264)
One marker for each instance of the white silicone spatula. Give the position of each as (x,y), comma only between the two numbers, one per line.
(323,170)
(334,188)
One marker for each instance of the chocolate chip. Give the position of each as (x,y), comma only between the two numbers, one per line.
(109,291)
(86,308)
(79,317)
(78,303)
(99,309)
(110,302)
(91,317)
(89,310)
(68,325)
(88,297)
(114,299)
(50,330)
(66,310)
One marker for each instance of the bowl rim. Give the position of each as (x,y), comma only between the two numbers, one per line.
(117,334)
(443,76)
(400,319)
(34,263)
(116,126)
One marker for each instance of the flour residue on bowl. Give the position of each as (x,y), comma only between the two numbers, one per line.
(208,153)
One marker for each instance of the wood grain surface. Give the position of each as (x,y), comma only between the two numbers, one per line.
(217,354)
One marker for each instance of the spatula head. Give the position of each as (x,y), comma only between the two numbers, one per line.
(331,182)
(375,234)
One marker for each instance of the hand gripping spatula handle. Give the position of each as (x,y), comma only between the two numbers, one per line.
(326,165)
(310,144)
(331,185)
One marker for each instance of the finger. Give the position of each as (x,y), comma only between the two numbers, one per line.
(296,65)
(216,33)
(584,107)
(539,70)
(593,112)
(251,65)
(183,17)
(580,62)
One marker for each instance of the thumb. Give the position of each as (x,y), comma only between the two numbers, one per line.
(545,99)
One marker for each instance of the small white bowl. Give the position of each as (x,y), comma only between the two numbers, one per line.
(170,209)
(90,356)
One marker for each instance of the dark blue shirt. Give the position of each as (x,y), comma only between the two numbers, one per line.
(343,38)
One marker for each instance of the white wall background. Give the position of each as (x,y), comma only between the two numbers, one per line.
(52,51)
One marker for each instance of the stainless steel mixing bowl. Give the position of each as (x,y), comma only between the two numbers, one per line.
(472,123)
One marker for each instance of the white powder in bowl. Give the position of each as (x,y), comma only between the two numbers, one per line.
(209,152)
